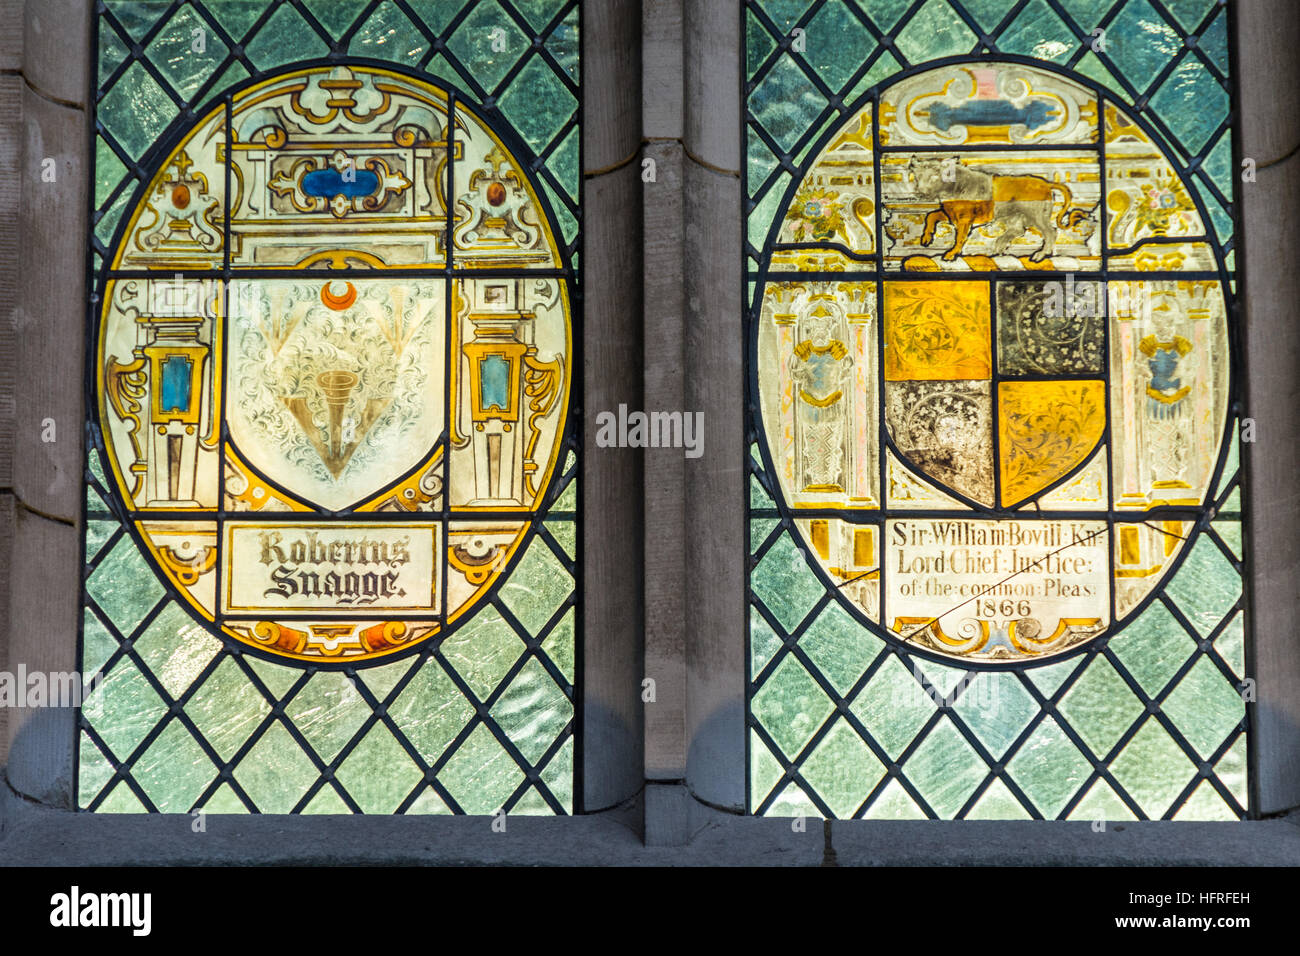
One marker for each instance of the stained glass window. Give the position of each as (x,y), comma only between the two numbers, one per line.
(993,489)
(331,500)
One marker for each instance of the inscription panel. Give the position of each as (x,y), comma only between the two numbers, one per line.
(996,588)
(330,569)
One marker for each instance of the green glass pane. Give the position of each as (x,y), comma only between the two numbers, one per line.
(237,16)
(227,708)
(1049,768)
(1140,43)
(98,532)
(836,43)
(124,586)
(97,645)
(1100,706)
(1051,676)
(998,803)
(997,708)
(136,110)
(176,648)
(537,587)
(93,771)
(885,66)
(558,776)
(568,498)
(1214,42)
(431,711)
(277,677)
(1153,647)
(885,13)
(944,679)
(764,770)
(531,804)
(186,51)
(537,104)
(275,773)
(842,770)
(487,43)
(480,775)
(1153,769)
(758,43)
(334,16)
(760,223)
(389,35)
(760,159)
(758,498)
(893,706)
(123,709)
(933,32)
(1205,804)
(482,651)
(1231,644)
(329,711)
(759,529)
(1192,104)
(840,647)
(436,14)
(785,13)
(236,74)
(107,225)
(763,643)
(1231,769)
(945,769)
(894,803)
(566,536)
(1087,13)
(1190,13)
(790,706)
(109,171)
(378,774)
(327,800)
(137,16)
(285,38)
(1205,707)
(785,584)
(428,802)
(1206,586)
(94,503)
(563,45)
(174,771)
(987,13)
(1218,163)
(1230,532)
(793,802)
(122,800)
(112,51)
(225,800)
(559,645)
(1101,803)
(532,711)
(563,162)
(381,680)
(568,225)
(1039,32)
(1092,67)
(786,103)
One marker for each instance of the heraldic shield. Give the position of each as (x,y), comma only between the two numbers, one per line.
(336,388)
(994,438)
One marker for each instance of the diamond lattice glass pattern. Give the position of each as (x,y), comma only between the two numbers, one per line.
(995,531)
(331,511)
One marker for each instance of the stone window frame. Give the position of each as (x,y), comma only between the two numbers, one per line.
(664,535)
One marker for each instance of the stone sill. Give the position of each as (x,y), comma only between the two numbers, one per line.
(34,835)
